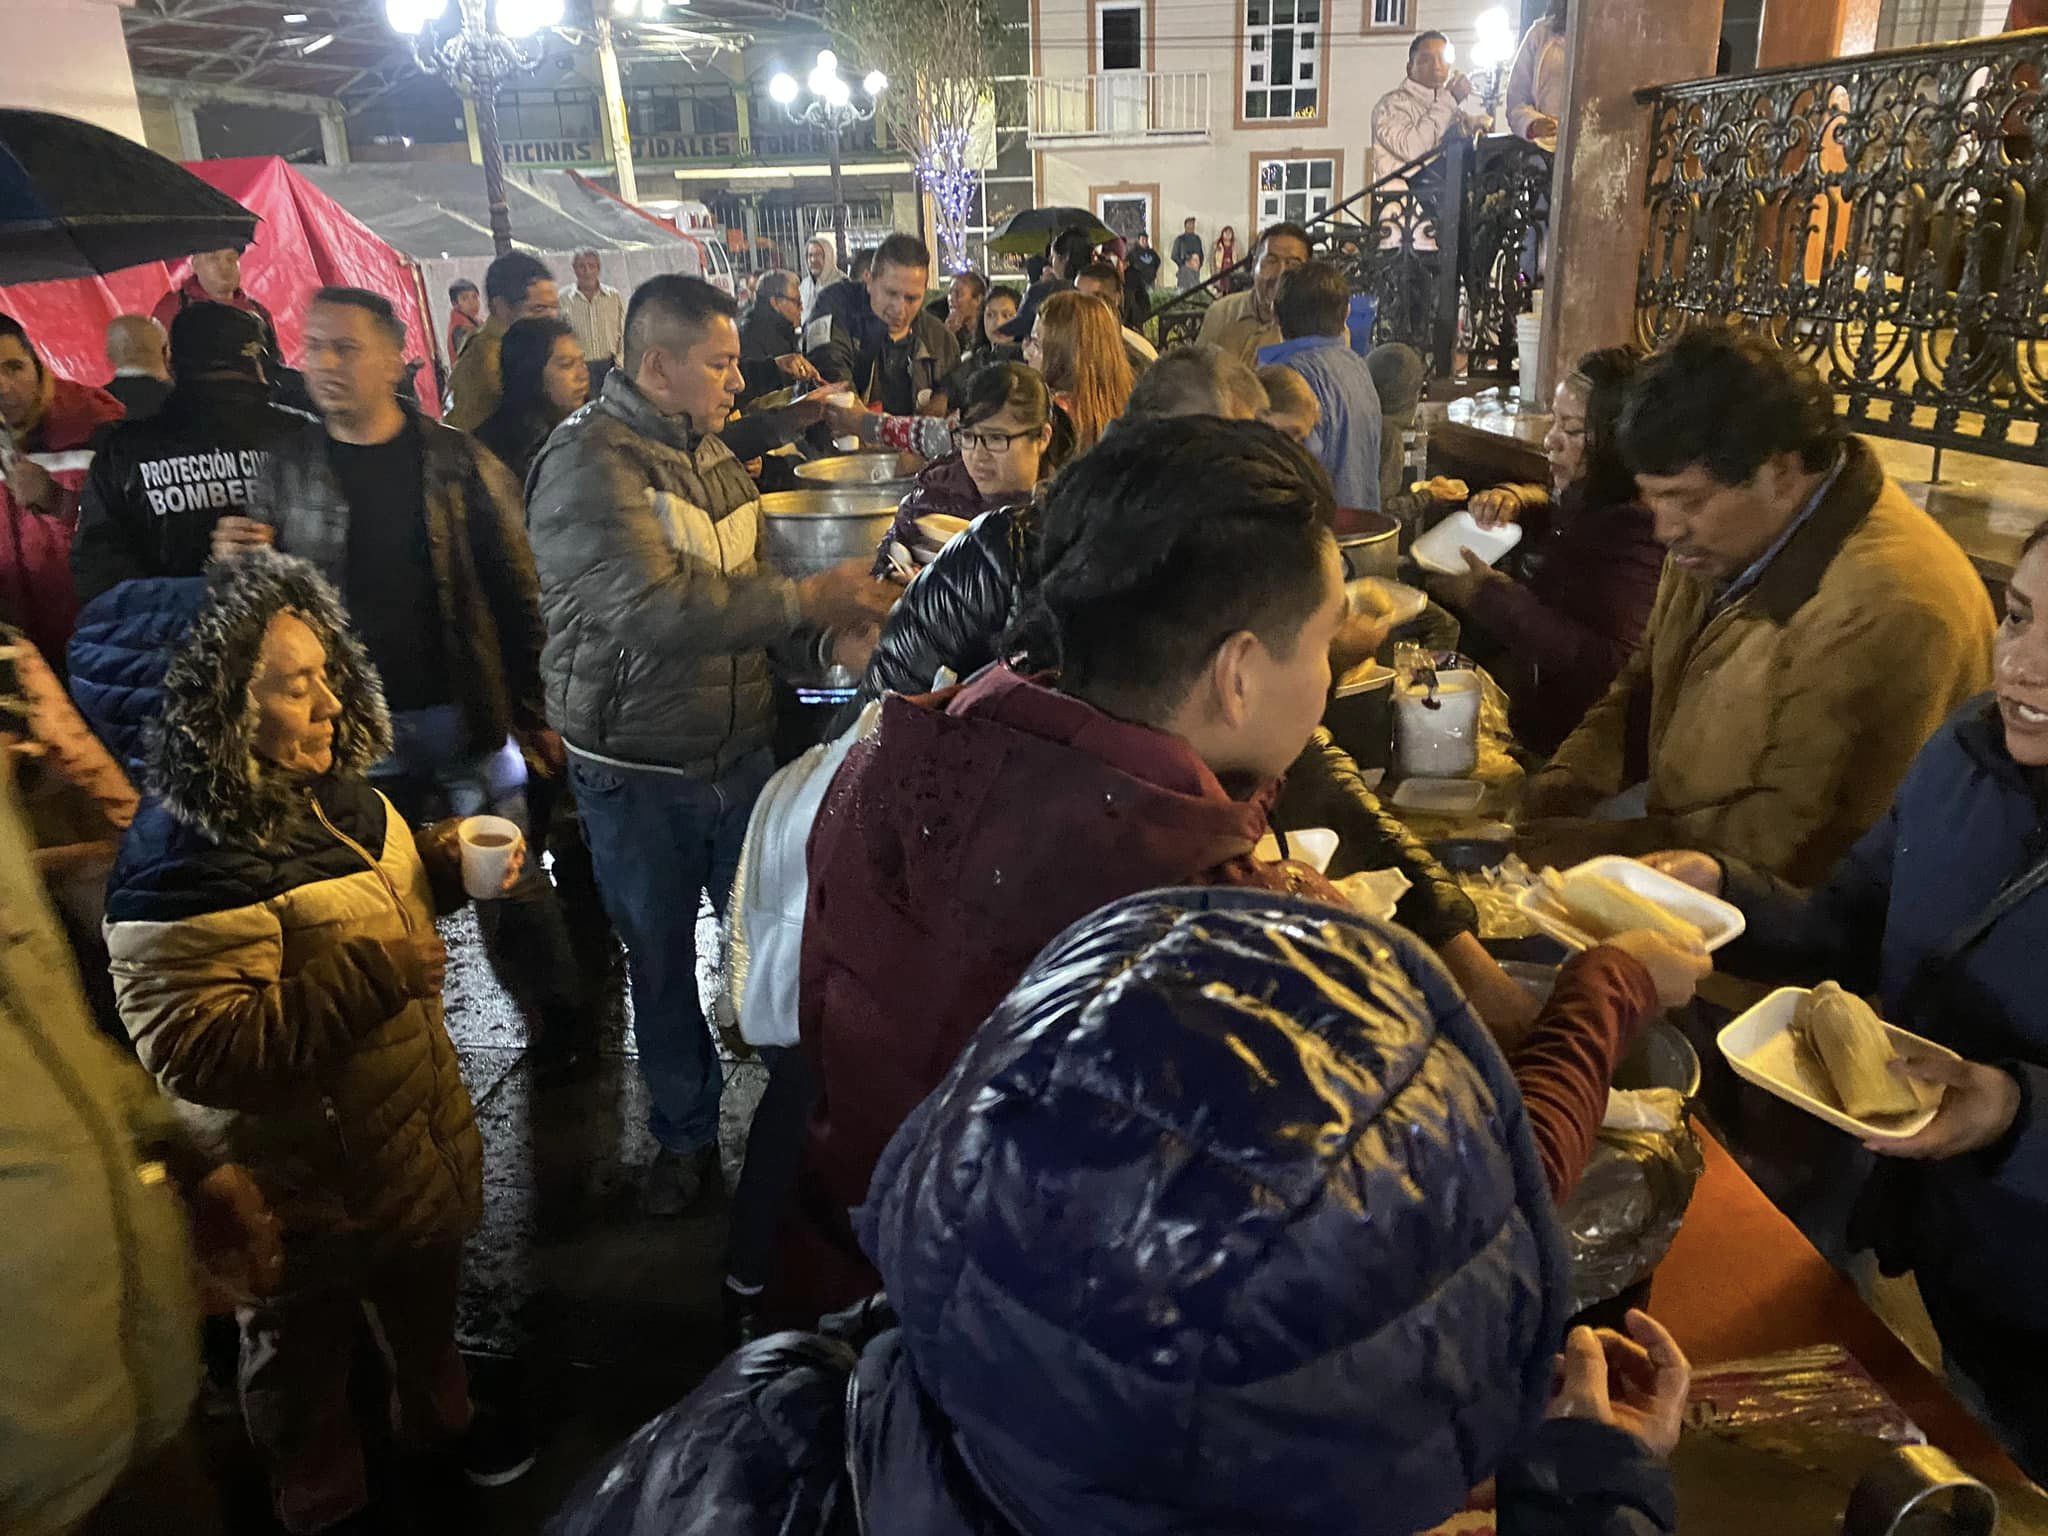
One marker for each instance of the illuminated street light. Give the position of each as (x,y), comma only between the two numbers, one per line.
(1492,47)
(830,110)
(476,56)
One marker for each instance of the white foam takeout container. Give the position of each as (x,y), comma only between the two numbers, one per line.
(1443,797)
(1760,1047)
(1717,921)
(1438,549)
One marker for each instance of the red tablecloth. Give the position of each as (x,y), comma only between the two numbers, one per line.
(1741,1281)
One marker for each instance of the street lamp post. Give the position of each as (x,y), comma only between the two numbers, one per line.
(475,56)
(831,110)
(1493,46)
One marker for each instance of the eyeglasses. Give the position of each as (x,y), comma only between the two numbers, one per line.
(992,442)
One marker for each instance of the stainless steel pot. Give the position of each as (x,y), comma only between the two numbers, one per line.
(1360,715)
(1661,1058)
(897,469)
(805,532)
(1373,548)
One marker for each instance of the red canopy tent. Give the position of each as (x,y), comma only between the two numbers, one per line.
(306,240)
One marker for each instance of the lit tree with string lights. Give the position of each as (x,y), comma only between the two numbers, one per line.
(936,56)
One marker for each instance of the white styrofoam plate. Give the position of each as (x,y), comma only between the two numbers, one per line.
(1437,550)
(1760,1047)
(940,528)
(1717,921)
(1442,797)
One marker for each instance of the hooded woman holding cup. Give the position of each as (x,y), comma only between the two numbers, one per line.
(271,925)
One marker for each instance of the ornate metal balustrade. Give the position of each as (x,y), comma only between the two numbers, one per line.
(1488,202)
(1885,216)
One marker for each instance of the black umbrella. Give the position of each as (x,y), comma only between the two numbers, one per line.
(77,200)
(1029,232)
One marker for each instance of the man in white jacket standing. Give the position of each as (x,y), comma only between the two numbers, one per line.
(1410,121)
(821,271)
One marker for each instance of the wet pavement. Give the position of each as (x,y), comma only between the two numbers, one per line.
(576,1311)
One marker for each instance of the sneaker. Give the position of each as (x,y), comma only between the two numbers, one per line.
(675,1181)
(497,1449)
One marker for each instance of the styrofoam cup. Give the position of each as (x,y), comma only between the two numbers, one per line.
(488,844)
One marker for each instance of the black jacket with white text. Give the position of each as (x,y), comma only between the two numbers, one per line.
(157,486)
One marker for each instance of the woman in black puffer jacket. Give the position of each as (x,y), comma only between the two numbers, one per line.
(1007,437)
(954,615)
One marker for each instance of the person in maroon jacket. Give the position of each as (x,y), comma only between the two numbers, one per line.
(47,428)
(1191,590)
(216,278)
(1556,633)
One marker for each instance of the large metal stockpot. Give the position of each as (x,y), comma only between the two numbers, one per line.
(1369,541)
(805,532)
(853,469)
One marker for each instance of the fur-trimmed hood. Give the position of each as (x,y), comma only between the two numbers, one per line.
(200,760)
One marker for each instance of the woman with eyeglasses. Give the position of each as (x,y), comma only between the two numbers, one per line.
(1559,619)
(953,613)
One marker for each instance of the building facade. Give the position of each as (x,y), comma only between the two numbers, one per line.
(1244,111)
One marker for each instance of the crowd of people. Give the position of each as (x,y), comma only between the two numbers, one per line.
(1113,1174)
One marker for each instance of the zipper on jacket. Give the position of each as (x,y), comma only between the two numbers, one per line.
(391,889)
(404,916)
(852,1452)
(333,1118)
(327,1109)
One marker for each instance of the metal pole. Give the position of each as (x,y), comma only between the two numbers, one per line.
(838,200)
(494,166)
(1450,238)
(616,128)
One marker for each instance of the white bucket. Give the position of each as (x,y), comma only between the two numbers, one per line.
(1439,743)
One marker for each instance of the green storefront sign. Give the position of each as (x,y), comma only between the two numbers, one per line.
(656,150)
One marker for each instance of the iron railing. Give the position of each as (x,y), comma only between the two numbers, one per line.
(1487,202)
(1120,107)
(1885,216)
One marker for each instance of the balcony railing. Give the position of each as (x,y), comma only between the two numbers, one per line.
(1486,202)
(1884,215)
(1135,106)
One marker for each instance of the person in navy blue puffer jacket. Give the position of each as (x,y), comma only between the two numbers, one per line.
(1229,1219)
(119,652)
(1963,1204)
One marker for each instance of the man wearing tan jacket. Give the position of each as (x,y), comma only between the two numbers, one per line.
(1812,630)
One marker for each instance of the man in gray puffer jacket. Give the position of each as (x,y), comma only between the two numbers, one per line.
(660,621)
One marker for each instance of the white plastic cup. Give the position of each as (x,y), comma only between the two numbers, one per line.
(488,844)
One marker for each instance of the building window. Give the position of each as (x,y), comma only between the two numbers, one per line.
(1281,59)
(547,115)
(1390,15)
(717,114)
(1123,37)
(1299,191)
(668,109)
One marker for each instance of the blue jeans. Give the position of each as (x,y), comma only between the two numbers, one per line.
(659,841)
(430,772)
